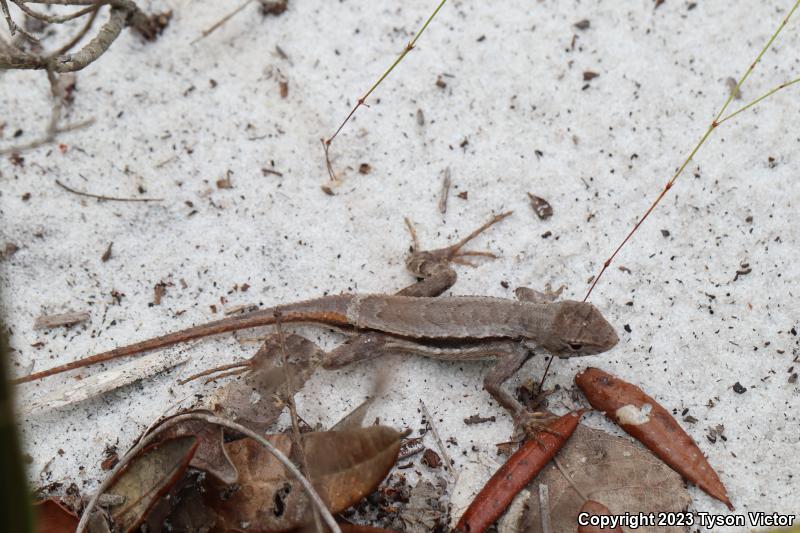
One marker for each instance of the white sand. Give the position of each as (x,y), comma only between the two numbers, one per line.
(605,153)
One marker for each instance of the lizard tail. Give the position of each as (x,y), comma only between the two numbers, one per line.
(329,310)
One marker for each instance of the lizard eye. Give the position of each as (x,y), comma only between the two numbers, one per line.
(575,346)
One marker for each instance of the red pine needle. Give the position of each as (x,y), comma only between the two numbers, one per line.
(625,404)
(515,474)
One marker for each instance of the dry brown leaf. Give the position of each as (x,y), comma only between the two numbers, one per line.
(148,476)
(257,398)
(183,509)
(355,418)
(52,517)
(344,467)
(211,455)
(426,510)
(540,206)
(620,474)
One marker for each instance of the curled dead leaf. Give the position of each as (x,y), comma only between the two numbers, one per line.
(211,455)
(609,469)
(344,466)
(518,471)
(146,478)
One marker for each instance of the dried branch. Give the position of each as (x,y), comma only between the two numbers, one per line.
(121,13)
(107,198)
(222,21)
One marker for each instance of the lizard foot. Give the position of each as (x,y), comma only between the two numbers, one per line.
(420,262)
(532,423)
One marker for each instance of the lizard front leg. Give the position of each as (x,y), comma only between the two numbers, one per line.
(432,267)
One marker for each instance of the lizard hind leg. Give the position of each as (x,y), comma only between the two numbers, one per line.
(425,263)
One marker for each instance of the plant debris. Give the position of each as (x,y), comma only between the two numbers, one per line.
(620,474)
(648,422)
(107,254)
(257,398)
(53,517)
(267,500)
(517,472)
(477,419)
(541,207)
(9,250)
(69,318)
(147,477)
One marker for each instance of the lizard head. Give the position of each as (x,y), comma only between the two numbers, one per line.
(578,328)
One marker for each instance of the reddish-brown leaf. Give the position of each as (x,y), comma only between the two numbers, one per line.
(52,517)
(517,472)
(652,425)
(344,466)
(594,508)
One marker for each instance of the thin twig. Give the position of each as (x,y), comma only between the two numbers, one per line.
(54,19)
(544,376)
(222,21)
(58,104)
(122,13)
(713,126)
(208,371)
(757,100)
(297,439)
(544,508)
(13,27)
(445,191)
(146,440)
(361,101)
(78,36)
(438,440)
(47,139)
(107,198)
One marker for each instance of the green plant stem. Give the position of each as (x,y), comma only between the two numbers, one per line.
(361,101)
(716,122)
(757,100)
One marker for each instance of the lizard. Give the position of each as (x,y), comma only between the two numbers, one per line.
(416,320)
